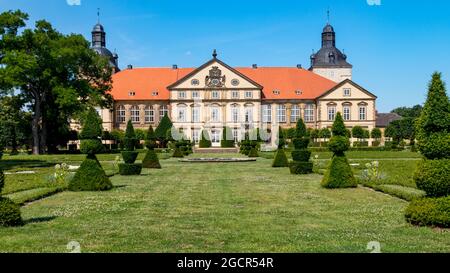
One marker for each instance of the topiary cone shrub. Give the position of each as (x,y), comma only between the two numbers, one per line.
(433,173)
(227,138)
(90,176)
(9,211)
(129,154)
(280,160)
(253,153)
(151,160)
(205,141)
(301,155)
(339,173)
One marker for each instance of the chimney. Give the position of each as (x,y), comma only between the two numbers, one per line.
(255,66)
(299,66)
(130,66)
(174,66)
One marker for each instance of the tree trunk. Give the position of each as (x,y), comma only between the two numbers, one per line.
(43,135)
(35,127)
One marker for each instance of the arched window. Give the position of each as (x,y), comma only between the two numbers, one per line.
(181,113)
(295,113)
(215,113)
(362,110)
(195,110)
(121,114)
(149,114)
(134,113)
(347,110)
(249,113)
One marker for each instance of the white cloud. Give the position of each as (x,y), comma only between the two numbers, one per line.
(188,53)
(374,2)
(73,2)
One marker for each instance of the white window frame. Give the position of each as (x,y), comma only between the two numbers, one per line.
(196,114)
(235,94)
(215,136)
(181,113)
(266,113)
(331,111)
(248,118)
(248,94)
(121,114)
(347,92)
(281,113)
(235,135)
(215,114)
(309,113)
(362,112)
(195,94)
(196,135)
(346,112)
(235,113)
(135,114)
(163,110)
(181,94)
(215,94)
(149,114)
(295,113)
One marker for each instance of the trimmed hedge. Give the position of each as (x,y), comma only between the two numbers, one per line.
(429,212)
(90,177)
(298,167)
(339,144)
(177,153)
(129,156)
(130,169)
(204,142)
(9,213)
(151,160)
(91,146)
(339,174)
(253,153)
(300,143)
(2,180)
(280,160)
(433,177)
(301,155)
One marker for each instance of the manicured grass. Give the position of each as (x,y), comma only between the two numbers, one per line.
(208,207)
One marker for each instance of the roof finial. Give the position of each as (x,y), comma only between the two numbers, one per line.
(98,15)
(214,54)
(328,16)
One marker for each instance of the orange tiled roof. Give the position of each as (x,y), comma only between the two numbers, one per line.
(144,81)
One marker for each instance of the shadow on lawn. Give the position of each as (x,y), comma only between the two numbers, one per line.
(40,220)
(12,164)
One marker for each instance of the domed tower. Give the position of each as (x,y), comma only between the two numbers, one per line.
(99,46)
(329,61)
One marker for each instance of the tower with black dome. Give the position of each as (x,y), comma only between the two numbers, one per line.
(329,61)
(99,46)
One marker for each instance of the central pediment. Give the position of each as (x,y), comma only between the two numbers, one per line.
(215,74)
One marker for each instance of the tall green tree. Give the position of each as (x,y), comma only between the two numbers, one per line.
(58,75)
(409,112)
(164,126)
(15,123)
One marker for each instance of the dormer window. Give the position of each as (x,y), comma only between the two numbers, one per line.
(298,92)
(131,93)
(155,93)
(276,92)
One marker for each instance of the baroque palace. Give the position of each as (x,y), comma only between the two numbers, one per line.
(216,94)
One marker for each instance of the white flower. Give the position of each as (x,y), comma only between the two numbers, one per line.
(316,156)
(368,165)
(57,166)
(375,163)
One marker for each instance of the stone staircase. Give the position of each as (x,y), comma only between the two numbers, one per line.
(215,150)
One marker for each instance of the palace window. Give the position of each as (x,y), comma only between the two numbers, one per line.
(281,113)
(346,111)
(248,114)
(266,113)
(181,94)
(295,113)
(131,93)
(196,135)
(309,113)
(347,92)
(215,136)
(331,113)
(195,94)
(215,115)
(362,113)
(235,113)
(163,110)
(236,135)
(248,94)
(134,111)
(215,94)
(195,114)
(155,93)
(181,115)
(235,94)
(121,114)
(149,114)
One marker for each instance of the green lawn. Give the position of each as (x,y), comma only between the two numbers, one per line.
(233,207)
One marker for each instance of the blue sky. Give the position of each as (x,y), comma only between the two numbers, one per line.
(394,47)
